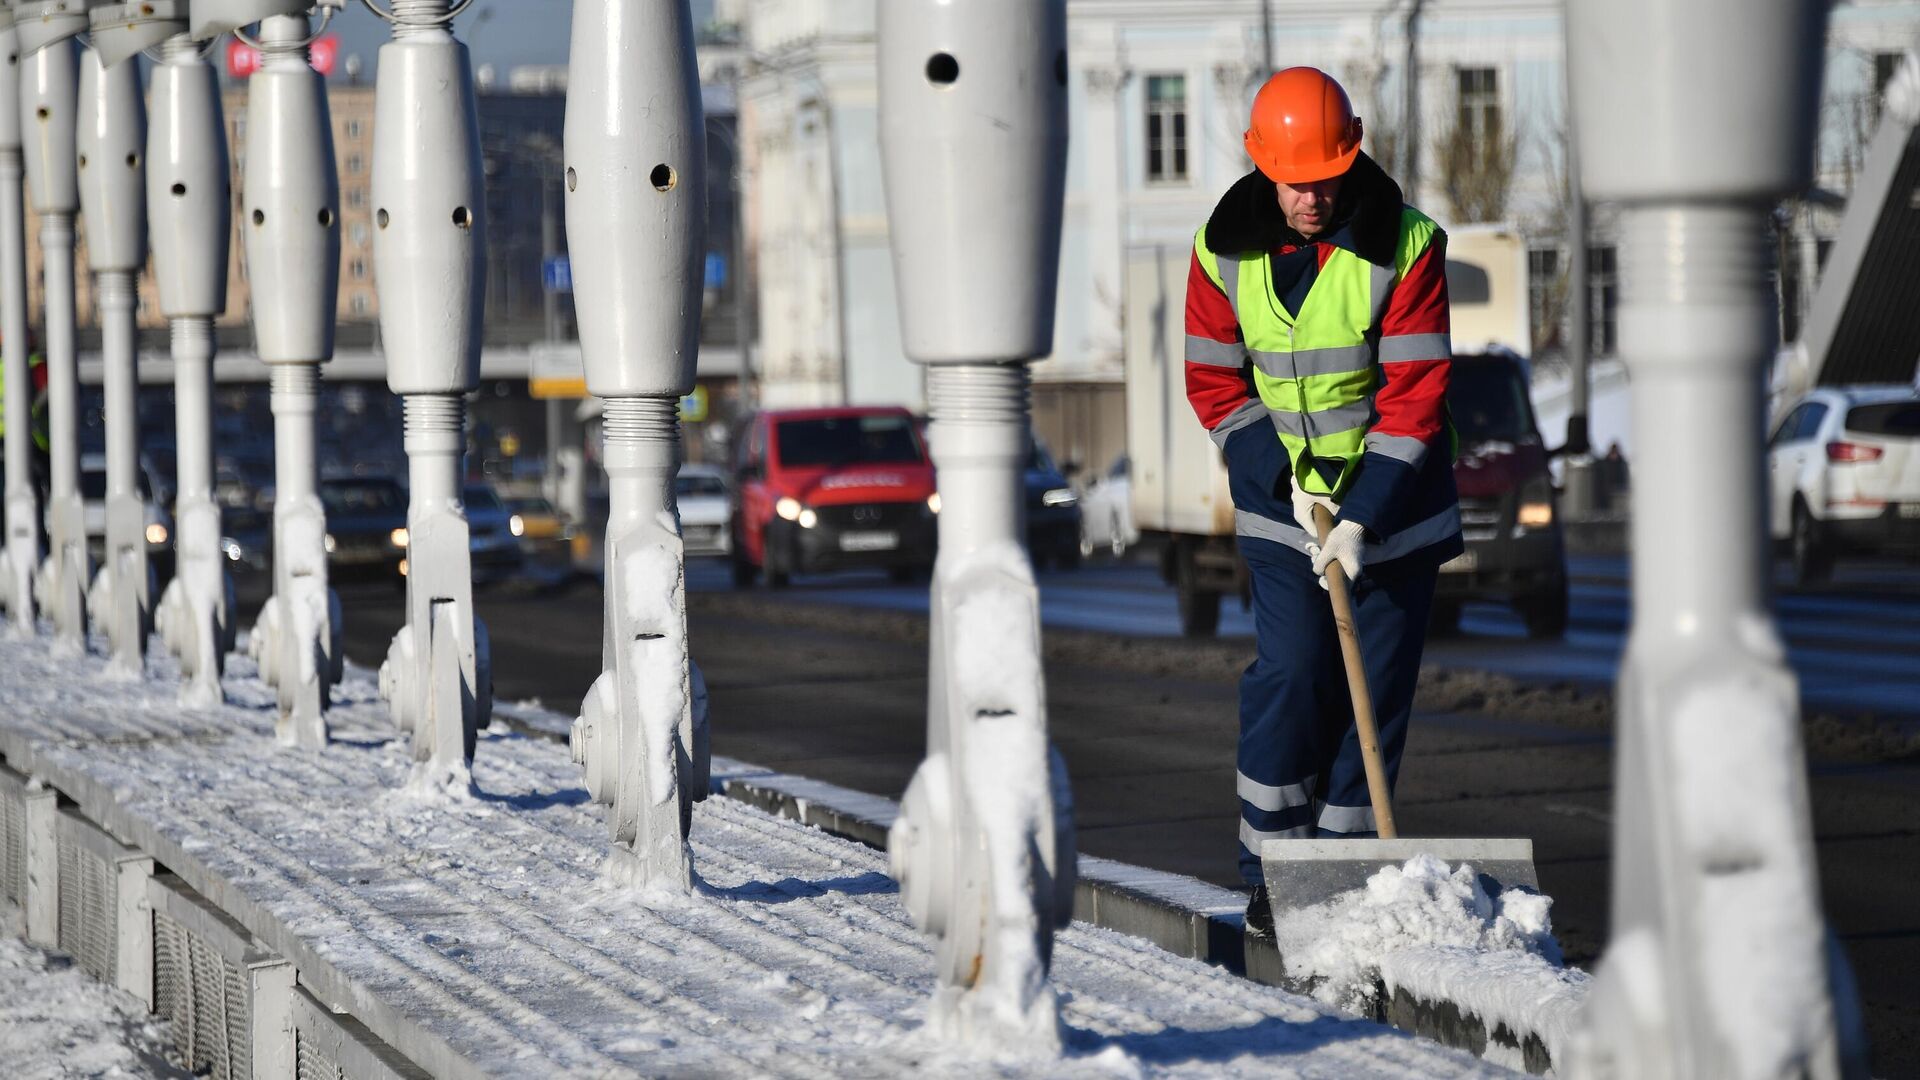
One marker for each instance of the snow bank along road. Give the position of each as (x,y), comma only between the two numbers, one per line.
(838,691)
(473,932)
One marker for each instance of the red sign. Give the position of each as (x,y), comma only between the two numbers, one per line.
(243,59)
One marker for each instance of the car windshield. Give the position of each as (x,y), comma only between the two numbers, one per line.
(362,496)
(482,498)
(1898,418)
(538,507)
(1488,403)
(698,484)
(849,440)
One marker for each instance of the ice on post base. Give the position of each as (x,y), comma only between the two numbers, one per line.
(633,208)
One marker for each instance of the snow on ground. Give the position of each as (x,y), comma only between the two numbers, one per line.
(483,919)
(56,1021)
(1338,947)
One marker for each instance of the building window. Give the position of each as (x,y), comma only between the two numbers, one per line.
(358,268)
(353,129)
(356,197)
(354,164)
(1479,105)
(1166,129)
(359,233)
(360,303)
(1603,292)
(1544,292)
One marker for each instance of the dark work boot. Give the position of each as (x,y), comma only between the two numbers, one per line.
(1259,921)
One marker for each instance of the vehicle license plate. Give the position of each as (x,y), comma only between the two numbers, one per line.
(1910,510)
(869,541)
(1464,563)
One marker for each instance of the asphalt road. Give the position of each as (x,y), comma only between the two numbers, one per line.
(827,680)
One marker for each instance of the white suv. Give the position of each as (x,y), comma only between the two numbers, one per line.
(1845,476)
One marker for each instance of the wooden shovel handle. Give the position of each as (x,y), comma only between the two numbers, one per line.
(1363,721)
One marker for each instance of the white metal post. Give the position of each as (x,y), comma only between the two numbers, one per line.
(635,156)
(973,122)
(190,220)
(49,110)
(23,548)
(291,226)
(430,269)
(112,146)
(1719,964)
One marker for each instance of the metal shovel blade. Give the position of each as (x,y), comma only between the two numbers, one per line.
(1303,873)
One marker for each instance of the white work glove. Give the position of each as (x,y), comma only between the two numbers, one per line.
(1343,543)
(1303,504)
(1346,544)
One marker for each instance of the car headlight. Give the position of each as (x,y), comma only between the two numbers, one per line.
(788,507)
(808,519)
(517,525)
(156,533)
(231,549)
(933,502)
(1535,515)
(398,537)
(330,544)
(1059,497)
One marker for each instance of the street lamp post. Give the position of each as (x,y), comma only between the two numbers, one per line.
(24,545)
(635,192)
(189,224)
(49,116)
(291,228)
(973,128)
(1719,962)
(112,146)
(431,275)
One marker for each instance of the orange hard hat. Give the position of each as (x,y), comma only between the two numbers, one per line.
(1303,128)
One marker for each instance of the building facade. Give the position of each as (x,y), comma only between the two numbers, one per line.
(1158,99)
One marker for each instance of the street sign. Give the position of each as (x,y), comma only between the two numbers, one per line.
(556,274)
(716,270)
(556,371)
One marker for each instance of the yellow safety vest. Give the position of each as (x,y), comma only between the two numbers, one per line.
(1317,371)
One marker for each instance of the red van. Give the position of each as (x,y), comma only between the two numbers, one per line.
(828,489)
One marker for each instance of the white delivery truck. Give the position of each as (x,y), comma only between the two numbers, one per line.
(1180,496)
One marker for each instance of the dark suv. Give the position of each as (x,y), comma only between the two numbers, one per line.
(1515,553)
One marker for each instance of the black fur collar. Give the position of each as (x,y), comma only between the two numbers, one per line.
(1366,219)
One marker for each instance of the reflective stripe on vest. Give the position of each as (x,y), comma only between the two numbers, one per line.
(1317,371)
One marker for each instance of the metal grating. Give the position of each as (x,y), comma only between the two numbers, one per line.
(314,1064)
(334,1046)
(13,836)
(200,981)
(88,886)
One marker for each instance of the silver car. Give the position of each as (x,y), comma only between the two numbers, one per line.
(701,491)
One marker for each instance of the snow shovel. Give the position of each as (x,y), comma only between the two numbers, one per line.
(1303,873)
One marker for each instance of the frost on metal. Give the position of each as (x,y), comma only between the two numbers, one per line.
(973,139)
(634,178)
(430,273)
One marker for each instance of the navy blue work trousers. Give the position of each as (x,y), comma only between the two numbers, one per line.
(1300,769)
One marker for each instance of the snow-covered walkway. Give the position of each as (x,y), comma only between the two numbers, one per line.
(475,932)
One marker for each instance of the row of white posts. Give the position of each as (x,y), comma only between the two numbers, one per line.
(1720,964)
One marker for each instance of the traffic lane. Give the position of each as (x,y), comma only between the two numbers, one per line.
(1855,645)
